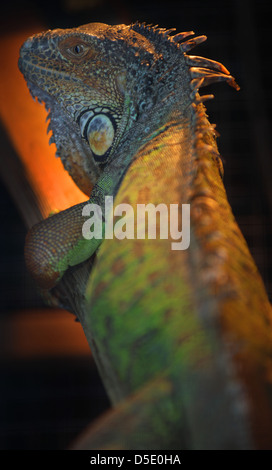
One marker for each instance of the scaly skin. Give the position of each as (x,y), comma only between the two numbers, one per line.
(182,339)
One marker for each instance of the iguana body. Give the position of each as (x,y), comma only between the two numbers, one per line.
(182,338)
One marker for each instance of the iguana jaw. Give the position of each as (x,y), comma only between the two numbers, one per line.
(74,151)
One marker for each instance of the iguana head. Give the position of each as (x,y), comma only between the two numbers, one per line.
(98,80)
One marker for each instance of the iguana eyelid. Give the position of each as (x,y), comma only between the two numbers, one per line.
(68,46)
(83,50)
(78,52)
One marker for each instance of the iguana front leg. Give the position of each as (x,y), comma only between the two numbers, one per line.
(58,242)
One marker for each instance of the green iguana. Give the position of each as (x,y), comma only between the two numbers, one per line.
(182,338)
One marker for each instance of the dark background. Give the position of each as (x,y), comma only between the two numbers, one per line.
(44,404)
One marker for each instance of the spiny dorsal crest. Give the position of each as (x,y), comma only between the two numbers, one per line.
(203,71)
(161,36)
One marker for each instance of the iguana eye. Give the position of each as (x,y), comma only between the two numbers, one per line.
(77,49)
(99,131)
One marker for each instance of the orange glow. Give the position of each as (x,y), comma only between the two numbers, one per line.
(42,333)
(24,121)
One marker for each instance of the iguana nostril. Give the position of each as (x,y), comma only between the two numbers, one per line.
(27,44)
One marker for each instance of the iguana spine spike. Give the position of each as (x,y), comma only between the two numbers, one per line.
(212,76)
(51,140)
(210,149)
(197,61)
(196,83)
(180,36)
(191,43)
(49,128)
(168,31)
(201,99)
